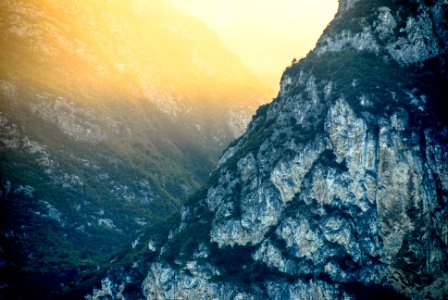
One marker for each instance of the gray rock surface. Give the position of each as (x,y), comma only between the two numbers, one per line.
(339,188)
(408,37)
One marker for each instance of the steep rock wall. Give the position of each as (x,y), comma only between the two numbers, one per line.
(339,188)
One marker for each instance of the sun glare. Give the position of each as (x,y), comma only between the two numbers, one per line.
(146,50)
(266,34)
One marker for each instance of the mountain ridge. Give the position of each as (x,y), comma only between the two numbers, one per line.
(101,135)
(338,188)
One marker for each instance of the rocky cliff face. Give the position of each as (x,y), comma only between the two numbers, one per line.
(339,188)
(111,114)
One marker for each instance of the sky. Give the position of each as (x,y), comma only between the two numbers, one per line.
(266,34)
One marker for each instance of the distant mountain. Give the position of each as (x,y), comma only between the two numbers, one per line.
(111,114)
(337,190)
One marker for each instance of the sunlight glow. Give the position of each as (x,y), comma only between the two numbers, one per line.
(134,50)
(145,49)
(266,34)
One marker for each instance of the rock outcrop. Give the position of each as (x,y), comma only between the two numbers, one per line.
(111,114)
(339,188)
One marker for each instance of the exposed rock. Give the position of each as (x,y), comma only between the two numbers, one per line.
(8,90)
(338,189)
(112,114)
(9,136)
(363,41)
(419,43)
(238,120)
(407,37)
(346,5)
(75,121)
(108,289)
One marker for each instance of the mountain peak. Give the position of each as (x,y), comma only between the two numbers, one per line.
(409,33)
(112,113)
(338,188)
(345,5)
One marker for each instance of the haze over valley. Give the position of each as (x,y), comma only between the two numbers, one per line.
(112,114)
(192,149)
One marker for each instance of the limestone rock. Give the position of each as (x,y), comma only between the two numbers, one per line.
(339,188)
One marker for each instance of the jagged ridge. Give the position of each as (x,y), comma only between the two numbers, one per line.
(111,114)
(339,188)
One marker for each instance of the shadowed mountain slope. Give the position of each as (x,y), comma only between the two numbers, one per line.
(111,114)
(337,190)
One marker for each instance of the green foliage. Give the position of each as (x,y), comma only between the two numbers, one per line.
(38,256)
(365,12)
(196,231)
(237,266)
(168,159)
(183,244)
(259,130)
(355,74)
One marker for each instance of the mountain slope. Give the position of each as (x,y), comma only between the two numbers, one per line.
(337,190)
(111,114)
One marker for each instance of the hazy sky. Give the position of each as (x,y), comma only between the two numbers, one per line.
(266,34)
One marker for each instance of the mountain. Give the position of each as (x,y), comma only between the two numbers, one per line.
(111,114)
(337,190)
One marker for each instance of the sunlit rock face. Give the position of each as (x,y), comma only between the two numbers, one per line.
(408,34)
(111,114)
(339,188)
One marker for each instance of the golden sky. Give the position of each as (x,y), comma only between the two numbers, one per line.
(266,34)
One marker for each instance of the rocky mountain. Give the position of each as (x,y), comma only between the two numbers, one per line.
(337,190)
(111,114)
